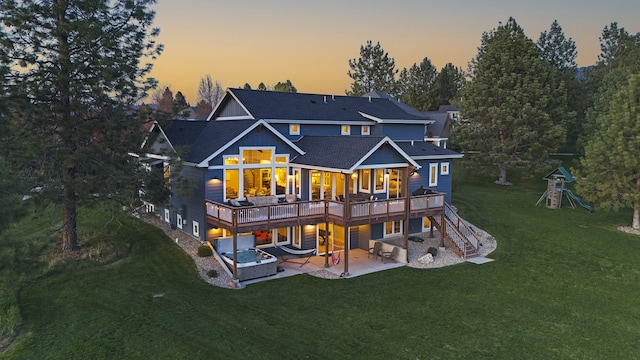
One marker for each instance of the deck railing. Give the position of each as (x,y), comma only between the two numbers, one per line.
(462,226)
(378,209)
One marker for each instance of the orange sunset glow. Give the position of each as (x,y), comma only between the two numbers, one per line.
(310,43)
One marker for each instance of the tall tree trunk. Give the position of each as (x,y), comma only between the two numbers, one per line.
(69,218)
(636,217)
(502,180)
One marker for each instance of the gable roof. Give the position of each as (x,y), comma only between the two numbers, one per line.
(275,107)
(204,140)
(421,150)
(560,173)
(342,153)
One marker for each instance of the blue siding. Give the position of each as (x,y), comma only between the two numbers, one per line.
(191,207)
(215,187)
(384,155)
(258,137)
(402,131)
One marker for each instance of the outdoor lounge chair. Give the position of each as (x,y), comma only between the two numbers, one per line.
(376,250)
(391,255)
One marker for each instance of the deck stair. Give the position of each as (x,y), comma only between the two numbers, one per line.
(458,233)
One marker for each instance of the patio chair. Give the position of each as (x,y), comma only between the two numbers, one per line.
(391,255)
(376,250)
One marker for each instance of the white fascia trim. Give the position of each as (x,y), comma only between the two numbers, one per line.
(320,168)
(204,163)
(396,121)
(229,93)
(384,166)
(239,117)
(386,139)
(159,157)
(438,157)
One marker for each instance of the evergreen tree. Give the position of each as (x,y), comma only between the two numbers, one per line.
(447,86)
(285,87)
(414,85)
(77,66)
(374,70)
(506,103)
(180,107)
(262,87)
(610,173)
(246,86)
(619,58)
(566,98)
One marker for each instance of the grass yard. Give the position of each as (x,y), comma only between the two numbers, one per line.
(565,284)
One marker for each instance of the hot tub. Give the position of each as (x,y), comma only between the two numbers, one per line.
(252,263)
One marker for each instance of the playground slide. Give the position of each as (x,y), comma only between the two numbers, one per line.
(578,200)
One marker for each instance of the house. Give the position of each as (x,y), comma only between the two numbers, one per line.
(305,172)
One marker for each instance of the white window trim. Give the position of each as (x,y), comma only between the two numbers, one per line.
(276,238)
(241,167)
(384,229)
(385,180)
(167,215)
(444,168)
(362,130)
(292,132)
(195,228)
(361,177)
(179,221)
(425,227)
(433,169)
(343,132)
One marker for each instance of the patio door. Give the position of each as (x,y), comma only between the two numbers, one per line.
(334,236)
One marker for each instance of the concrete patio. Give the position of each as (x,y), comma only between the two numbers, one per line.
(359,264)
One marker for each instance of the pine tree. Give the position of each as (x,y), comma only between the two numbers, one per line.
(506,103)
(374,70)
(78,65)
(447,86)
(414,85)
(180,107)
(285,87)
(610,169)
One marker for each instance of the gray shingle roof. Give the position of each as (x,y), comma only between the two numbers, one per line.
(298,106)
(337,152)
(421,149)
(212,136)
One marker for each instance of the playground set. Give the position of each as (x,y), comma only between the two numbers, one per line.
(557,187)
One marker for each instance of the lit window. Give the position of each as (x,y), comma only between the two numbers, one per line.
(294,129)
(392,228)
(444,168)
(365,130)
(167,215)
(379,179)
(179,221)
(346,129)
(261,156)
(365,180)
(433,174)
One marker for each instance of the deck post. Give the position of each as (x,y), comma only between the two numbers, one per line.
(444,229)
(326,240)
(234,220)
(430,226)
(345,216)
(407,210)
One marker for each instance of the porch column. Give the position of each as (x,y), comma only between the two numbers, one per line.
(326,239)
(430,226)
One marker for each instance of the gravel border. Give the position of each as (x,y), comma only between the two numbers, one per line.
(444,257)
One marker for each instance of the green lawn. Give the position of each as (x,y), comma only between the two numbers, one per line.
(564,284)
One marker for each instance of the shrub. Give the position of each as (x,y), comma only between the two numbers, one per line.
(212,273)
(433,251)
(204,251)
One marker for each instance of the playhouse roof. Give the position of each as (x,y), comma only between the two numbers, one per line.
(560,173)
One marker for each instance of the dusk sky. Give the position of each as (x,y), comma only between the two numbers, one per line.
(311,42)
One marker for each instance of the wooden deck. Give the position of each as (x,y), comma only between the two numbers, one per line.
(263,217)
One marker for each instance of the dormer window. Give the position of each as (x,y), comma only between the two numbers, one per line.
(294,129)
(365,130)
(345,130)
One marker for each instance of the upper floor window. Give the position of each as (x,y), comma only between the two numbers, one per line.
(365,180)
(365,130)
(433,174)
(444,168)
(259,156)
(345,130)
(294,129)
